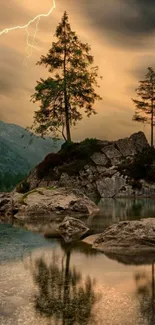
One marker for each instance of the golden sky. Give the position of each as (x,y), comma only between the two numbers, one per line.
(122,38)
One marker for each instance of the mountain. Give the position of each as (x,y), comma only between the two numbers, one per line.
(20,151)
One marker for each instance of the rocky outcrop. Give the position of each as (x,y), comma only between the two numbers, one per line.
(126,238)
(72,229)
(47,205)
(95,172)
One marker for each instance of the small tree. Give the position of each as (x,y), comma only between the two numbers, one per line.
(71,87)
(145,107)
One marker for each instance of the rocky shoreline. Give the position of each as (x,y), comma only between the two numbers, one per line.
(60,213)
(45,209)
(56,198)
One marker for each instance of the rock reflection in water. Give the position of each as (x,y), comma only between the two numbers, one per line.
(64,297)
(145,285)
(119,209)
(145,292)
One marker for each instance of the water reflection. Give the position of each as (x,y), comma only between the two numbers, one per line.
(119,209)
(133,259)
(124,208)
(64,296)
(145,292)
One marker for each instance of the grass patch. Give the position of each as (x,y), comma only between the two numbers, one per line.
(21,201)
(36,190)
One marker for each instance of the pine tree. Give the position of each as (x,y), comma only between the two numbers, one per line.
(145,107)
(71,86)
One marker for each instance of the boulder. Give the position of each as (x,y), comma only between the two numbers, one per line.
(4,200)
(49,204)
(132,145)
(72,229)
(110,186)
(112,153)
(140,141)
(99,159)
(6,207)
(128,238)
(126,147)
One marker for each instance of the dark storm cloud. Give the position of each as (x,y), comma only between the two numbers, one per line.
(127,22)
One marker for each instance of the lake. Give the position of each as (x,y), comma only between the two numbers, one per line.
(46,282)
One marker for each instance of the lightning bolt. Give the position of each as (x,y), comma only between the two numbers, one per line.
(30,45)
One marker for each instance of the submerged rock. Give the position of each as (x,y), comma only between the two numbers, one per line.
(72,229)
(127,238)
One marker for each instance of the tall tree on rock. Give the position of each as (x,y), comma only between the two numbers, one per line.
(146,106)
(71,86)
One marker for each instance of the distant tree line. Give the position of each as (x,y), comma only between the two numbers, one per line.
(8,180)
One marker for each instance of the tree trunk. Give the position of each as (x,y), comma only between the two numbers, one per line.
(152,127)
(68,134)
(67,119)
(66,289)
(152,111)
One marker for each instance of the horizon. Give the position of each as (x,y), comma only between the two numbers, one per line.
(122,45)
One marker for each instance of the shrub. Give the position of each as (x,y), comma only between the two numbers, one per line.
(70,159)
(141,167)
(136,184)
(51,160)
(23,187)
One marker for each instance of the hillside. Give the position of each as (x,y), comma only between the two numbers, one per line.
(20,151)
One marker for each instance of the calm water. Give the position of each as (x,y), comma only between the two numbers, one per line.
(45,282)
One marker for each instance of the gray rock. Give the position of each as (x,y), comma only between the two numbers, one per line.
(99,159)
(140,141)
(126,147)
(72,229)
(110,187)
(4,200)
(112,153)
(109,172)
(128,237)
(147,190)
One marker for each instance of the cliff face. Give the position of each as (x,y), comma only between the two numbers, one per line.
(95,167)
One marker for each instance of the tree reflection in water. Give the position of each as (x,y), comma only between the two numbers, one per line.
(145,290)
(64,297)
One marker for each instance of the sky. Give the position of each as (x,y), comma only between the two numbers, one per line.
(122,38)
